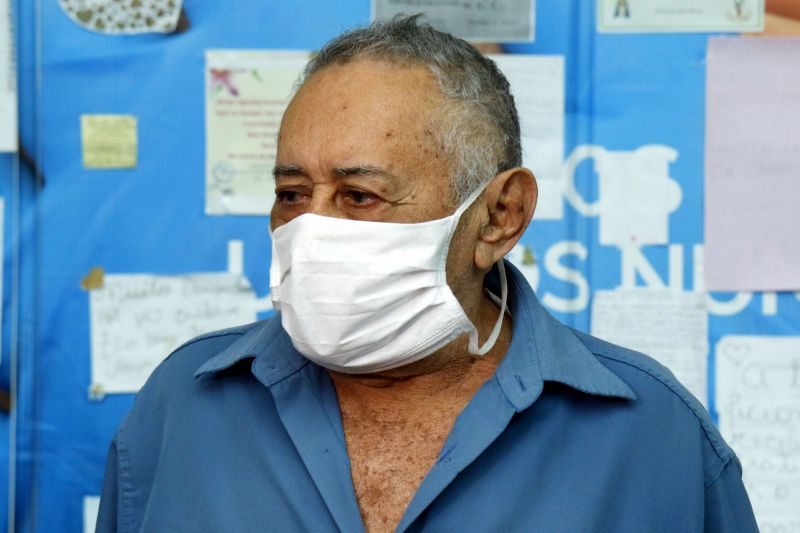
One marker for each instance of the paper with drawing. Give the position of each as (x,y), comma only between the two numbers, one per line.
(650,16)
(246,94)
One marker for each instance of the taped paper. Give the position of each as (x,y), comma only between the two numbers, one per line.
(758,400)
(658,16)
(8,81)
(752,158)
(247,92)
(537,84)
(138,319)
(669,326)
(109,141)
(495,21)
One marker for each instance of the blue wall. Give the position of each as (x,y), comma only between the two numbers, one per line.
(623,91)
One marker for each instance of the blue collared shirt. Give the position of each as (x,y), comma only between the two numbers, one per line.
(238,432)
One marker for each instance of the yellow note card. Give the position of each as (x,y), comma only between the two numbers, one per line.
(109,141)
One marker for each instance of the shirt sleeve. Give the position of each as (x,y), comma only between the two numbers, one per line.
(727,507)
(109,504)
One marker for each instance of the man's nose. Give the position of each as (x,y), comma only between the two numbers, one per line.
(323,202)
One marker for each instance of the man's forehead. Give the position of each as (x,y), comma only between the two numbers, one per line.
(363,113)
(368,85)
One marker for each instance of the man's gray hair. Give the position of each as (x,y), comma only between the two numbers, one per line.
(480,131)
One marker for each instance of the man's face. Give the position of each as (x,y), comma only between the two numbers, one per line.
(358,141)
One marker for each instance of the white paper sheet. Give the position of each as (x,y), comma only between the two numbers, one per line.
(138,319)
(651,16)
(537,83)
(752,162)
(669,326)
(91,507)
(246,94)
(8,81)
(482,21)
(758,400)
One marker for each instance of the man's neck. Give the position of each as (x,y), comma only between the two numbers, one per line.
(396,422)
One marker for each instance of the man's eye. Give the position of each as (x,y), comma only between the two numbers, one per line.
(288,197)
(360,198)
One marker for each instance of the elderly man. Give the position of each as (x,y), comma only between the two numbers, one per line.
(410,380)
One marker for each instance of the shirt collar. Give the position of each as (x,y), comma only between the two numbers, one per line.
(265,340)
(542,349)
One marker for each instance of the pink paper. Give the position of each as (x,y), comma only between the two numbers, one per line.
(752,165)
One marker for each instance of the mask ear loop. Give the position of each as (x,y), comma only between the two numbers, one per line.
(498,326)
(274,276)
(473,338)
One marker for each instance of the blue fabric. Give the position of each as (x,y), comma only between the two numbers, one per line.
(238,432)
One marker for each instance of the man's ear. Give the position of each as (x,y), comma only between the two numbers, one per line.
(510,201)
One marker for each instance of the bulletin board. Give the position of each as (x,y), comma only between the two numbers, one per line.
(623,93)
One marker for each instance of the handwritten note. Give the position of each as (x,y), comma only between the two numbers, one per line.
(8,81)
(480,21)
(758,399)
(670,326)
(109,141)
(650,16)
(752,157)
(247,92)
(138,319)
(537,83)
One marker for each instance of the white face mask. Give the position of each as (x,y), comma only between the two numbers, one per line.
(360,297)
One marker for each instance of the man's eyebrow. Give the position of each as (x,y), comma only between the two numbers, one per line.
(362,170)
(287,170)
(358,170)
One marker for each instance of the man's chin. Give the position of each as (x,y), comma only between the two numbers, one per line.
(448,358)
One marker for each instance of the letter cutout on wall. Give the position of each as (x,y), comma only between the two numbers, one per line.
(636,192)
